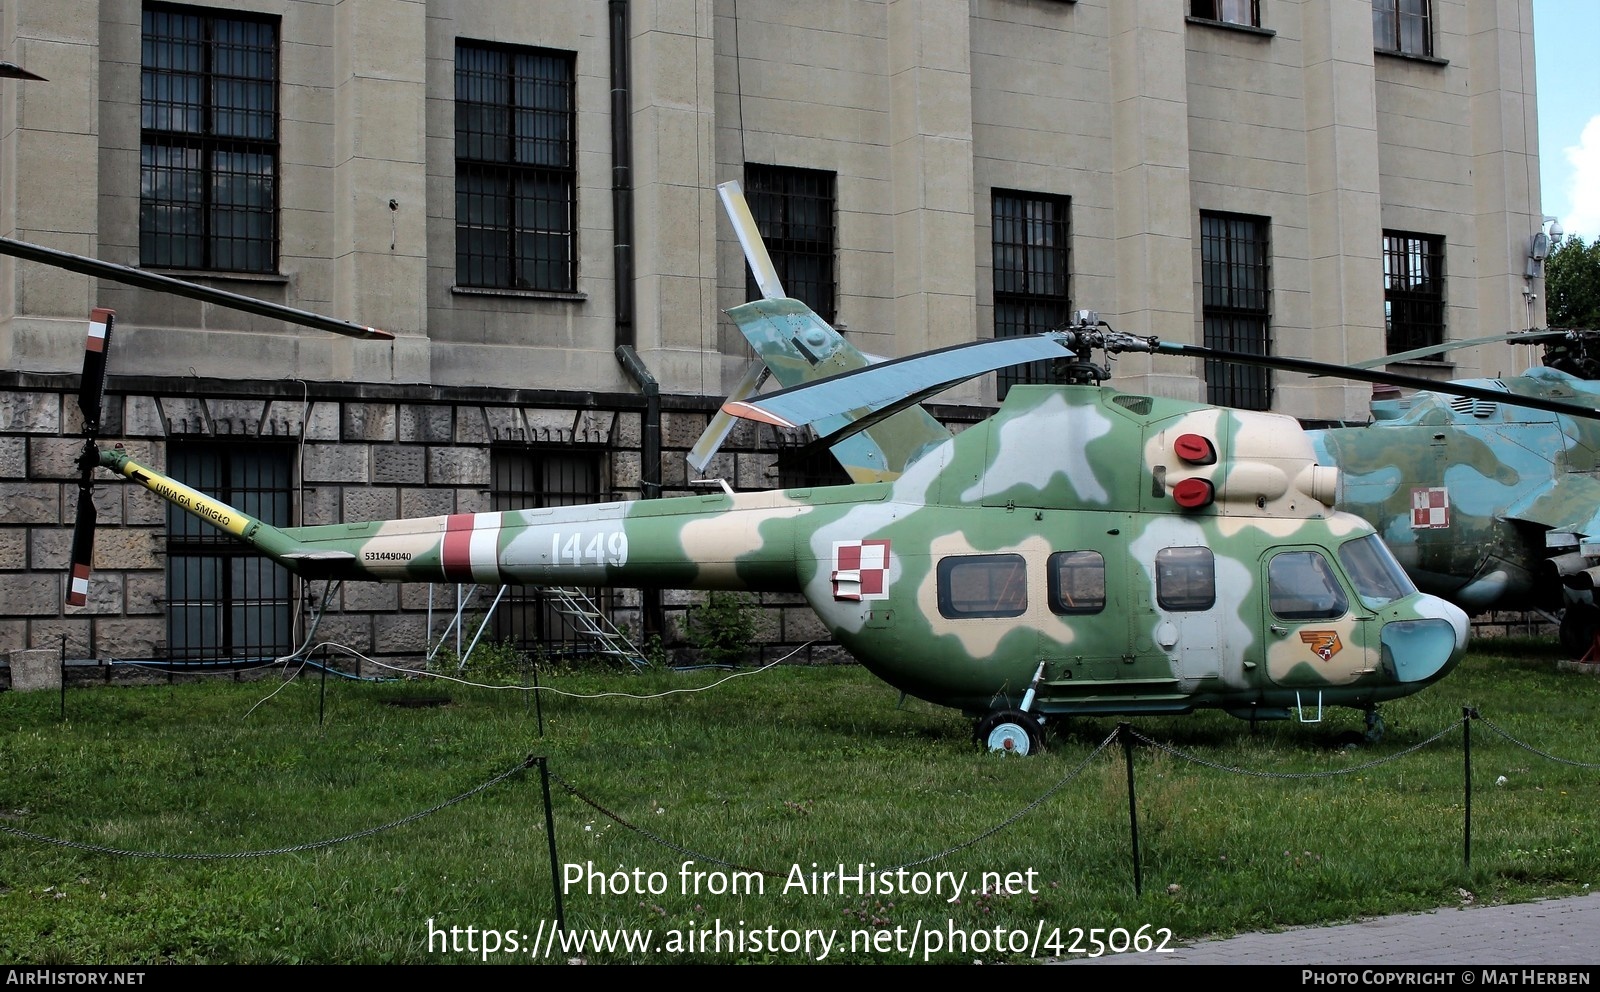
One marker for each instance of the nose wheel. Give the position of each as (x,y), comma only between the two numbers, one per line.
(1009,732)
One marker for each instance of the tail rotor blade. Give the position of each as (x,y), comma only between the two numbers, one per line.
(93,388)
(82,548)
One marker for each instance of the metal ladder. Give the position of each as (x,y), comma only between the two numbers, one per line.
(585,616)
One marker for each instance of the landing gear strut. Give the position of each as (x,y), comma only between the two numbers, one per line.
(1579,624)
(1374,726)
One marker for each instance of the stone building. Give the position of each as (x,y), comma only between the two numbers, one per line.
(525,195)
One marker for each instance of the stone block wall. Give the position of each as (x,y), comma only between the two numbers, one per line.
(357,453)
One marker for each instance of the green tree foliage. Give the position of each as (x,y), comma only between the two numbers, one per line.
(722,627)
(1572,285)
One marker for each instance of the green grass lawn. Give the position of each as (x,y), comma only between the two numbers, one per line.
(753,781)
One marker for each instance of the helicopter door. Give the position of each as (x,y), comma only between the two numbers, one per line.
(1316,634)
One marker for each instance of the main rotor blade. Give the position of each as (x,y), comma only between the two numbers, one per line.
(1514,337)
(886,387)
(1387,378)
(178,287)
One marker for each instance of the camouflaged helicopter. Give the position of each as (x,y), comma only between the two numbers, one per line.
(1486,490)
(1083,551)
(1486,501)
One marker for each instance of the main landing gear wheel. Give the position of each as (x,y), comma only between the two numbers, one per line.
(1010,731)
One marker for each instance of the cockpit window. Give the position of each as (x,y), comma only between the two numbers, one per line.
(1301,586)
(1378,578)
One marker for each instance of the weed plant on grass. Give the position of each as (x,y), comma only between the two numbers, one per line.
(752,781)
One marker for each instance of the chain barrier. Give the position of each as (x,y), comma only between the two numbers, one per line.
(1529,747)
(1175,752)
(698,856)
(311,846)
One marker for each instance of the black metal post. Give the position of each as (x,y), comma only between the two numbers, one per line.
(61,663)
(1124,731)
(322,699)
(550,835)
(538,704)
(1467,713)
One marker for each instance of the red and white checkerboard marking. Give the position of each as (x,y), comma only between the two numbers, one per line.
(1430,508)
(860,570)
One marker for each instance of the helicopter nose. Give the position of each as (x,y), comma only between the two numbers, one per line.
(1424,648)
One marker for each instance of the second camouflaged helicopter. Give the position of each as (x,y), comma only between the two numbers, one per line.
(1083,551)
(1486,501)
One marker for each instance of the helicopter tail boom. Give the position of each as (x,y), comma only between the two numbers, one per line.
(740,542)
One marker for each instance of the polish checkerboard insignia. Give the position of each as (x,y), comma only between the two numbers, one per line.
(860,570)
(1430,508)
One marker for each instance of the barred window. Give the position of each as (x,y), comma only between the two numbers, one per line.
(794,211)
(1228,11)
(1413,290)
(1029,242)
(1235,302)
(529,478)
(208,142)
(1403,26)
(226,601)
(516,173)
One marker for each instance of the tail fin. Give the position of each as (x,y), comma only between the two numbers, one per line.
(796,346)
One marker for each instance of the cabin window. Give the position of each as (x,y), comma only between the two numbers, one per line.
(793,209)
(1077,582)
(1413,291)
(516,168)
(1301,586)
(1372,567)
(225,600)
(532,478)
(1030,274)
(1235,305)
(983,586)
(1403,27)
(1186,579)
(208,141)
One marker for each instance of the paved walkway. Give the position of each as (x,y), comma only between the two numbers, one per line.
(1552,932)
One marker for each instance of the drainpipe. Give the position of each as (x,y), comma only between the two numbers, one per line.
(622,172)
(651,618)
(622,249)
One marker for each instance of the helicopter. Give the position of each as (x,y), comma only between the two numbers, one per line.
(1485,501)
(1084,551)
(1488,497)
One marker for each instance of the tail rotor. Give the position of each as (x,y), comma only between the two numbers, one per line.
(91,394)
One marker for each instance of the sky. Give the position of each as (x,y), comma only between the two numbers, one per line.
(1566,51)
